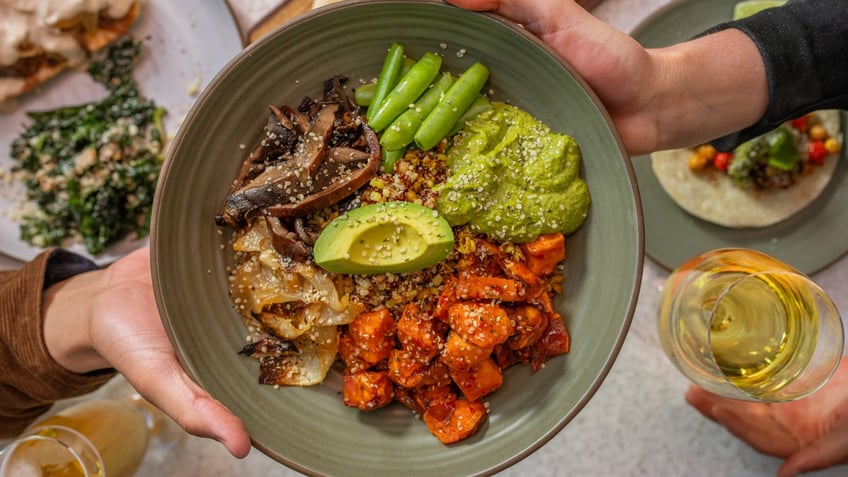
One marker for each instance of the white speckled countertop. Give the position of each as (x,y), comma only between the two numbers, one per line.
(636,425)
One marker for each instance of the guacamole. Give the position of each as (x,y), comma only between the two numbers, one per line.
(512,178)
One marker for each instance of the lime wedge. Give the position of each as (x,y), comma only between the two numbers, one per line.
(750,7)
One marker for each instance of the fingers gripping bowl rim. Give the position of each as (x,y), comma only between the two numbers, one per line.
(309,429)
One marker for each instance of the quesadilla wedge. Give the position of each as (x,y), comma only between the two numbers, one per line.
(764,181)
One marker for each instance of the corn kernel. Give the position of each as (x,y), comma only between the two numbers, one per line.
(698,162)
(831,145)
(707,151)
(818,133)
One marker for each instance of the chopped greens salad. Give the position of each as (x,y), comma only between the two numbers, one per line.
(90,170)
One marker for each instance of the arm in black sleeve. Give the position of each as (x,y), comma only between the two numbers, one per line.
(804,45)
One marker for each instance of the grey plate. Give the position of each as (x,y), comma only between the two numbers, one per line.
(809,241)
(309,429)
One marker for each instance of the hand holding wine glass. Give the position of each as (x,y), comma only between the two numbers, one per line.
(810,433)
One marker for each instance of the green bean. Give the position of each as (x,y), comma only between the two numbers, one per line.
(479,105)
(365,93)
(407,90)
(456,101)
(389,75)
(402,130)
(390,156)
(408,63)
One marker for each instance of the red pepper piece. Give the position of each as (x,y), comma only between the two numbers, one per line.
(721,160)
(817,152)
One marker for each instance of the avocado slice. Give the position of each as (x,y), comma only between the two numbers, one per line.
(389,237)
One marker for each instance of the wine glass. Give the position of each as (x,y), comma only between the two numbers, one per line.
(108,433)
(745,325)
(92,438)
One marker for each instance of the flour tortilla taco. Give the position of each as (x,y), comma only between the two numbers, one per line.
(762,182)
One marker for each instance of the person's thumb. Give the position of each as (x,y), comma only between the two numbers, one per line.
(194,409)
(535,14)
(826,451)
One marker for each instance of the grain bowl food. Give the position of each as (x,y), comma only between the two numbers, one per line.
(345,254)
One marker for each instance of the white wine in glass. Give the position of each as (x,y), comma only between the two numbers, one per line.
(93,438)
(745,325)
(111,433)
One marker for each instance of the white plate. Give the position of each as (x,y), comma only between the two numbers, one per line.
(186,43)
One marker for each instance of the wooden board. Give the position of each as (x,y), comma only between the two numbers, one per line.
(276,17)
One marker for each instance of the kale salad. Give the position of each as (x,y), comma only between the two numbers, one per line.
(90,170)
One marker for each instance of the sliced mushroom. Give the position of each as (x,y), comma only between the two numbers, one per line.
(334,157)
(333,182)
(284,182)
(286,242)
(345,155)
(305,234)
(267,346)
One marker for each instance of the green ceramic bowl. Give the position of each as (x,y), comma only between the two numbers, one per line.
(309,429)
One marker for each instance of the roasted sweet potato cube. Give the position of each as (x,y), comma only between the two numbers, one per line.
(406,396)
(486,259)
(489,247)
(419,399)
(373,334)
(487,288)
(367,390)
(544,253)
(521,271)
(419,333)
(543,301)
(446,299)
(530,324)
(426,395)
(437,374)
(554,342)
(482,324)
(349,353)
(505,357)
(454,421)
(460,353)
(406,369)
(478,381)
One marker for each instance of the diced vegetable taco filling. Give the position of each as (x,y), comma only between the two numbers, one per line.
(763,181)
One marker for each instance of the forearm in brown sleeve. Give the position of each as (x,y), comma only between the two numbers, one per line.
(30,381)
